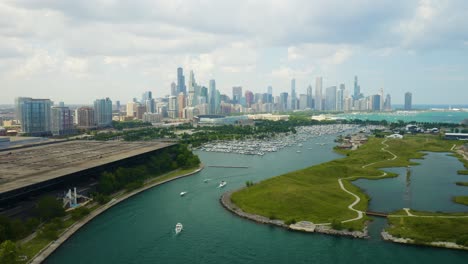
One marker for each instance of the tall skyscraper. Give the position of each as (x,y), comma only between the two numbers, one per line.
(150,105)
(270,90)
(309,97)
(283,106)
(318,94)
(340,98)
(181,104)
(131,109)
(34,115)
(357,89)
(103,112)
(249,98)
(191,98)
(146,96)
(212,96)
(173,111)
(303,101)
(236,94)
(408,101)
(117,106)
(62,121)
(180,81)
(293,95)
(330,98)
(173,89)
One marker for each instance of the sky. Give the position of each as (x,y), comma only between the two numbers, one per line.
(78,51)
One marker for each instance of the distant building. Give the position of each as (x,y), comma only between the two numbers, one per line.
(376,99)
(152,117)
(408,101)
(303,101)
(180,81)
(172,111)
(330,98)
(62,121)
(140,110)
(85,117)
(293,95)
(318,94)
(131,109)
(388,103)
(34,115)
(236,94)
(103,112)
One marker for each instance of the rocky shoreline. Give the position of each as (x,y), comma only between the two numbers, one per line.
(451,245)
(302,226)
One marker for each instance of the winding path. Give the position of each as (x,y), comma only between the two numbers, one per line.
(357,199)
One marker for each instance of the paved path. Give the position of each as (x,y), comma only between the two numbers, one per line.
(357,199)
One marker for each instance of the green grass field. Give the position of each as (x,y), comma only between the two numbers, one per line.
(313,194)
(461,199)
(426,230)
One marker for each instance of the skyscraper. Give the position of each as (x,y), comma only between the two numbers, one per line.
(357,89)
(34,115)
(85,117)
(146,96)
(340,98)
(62,121)
(388,103)
(249,98)
(103,112)
(236,94)
(180,81)
(318,94)
(330,98)
(173,89)
(212,96)
(283,106)
(376,102)
(309,97)
(150,105)
(303,101)
(293,95)
(173,110)
(408,101)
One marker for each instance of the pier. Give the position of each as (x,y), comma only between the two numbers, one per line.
(231,167)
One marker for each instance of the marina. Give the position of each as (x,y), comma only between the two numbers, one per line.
(264,146)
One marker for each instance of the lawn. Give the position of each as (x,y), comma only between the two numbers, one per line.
(461,199)
(313,194)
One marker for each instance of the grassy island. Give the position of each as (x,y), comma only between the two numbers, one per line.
(314,194)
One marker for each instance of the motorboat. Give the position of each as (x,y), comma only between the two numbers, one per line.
(298,151)
(178,228)
(222,184)
(183,193)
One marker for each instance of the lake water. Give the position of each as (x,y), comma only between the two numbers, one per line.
(418,116)
(141,229)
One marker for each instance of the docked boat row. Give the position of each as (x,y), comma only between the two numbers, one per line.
(280,141)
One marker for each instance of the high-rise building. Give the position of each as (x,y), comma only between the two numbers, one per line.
(330,98)
(408,101)
(303,101)
(236,94)
(318,94)
(172,111)
(173,89)
(309,97)
(146,96)
(103,112)
(357,89)
(191,101)
(270,90)
(388,103)
(212,97)
(150,105)
(131,109)
(181,104)
(34,115)
(293,95)
(376,102)
(117,106)
(180,81)
(249,98)
(85,117)
(62,121)
(140,110)
(340,98)
(283,106)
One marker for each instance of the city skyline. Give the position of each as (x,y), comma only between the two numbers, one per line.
(125,49)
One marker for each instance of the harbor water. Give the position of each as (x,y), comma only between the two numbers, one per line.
(141,229)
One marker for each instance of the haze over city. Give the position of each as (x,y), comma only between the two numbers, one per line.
(77,51)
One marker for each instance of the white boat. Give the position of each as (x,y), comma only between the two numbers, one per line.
(222,184)
(183,193)
(178,228)
(298,151)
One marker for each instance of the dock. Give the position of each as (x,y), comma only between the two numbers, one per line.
(231,167)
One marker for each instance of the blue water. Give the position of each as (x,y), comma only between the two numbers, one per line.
(141,229)
(430,186)
(418,116)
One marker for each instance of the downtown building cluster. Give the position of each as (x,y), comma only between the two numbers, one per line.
(40,117)
(190,99)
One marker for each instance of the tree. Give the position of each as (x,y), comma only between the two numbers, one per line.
(8,252)
(48,207)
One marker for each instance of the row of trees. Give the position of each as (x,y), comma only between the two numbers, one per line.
(133,177)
